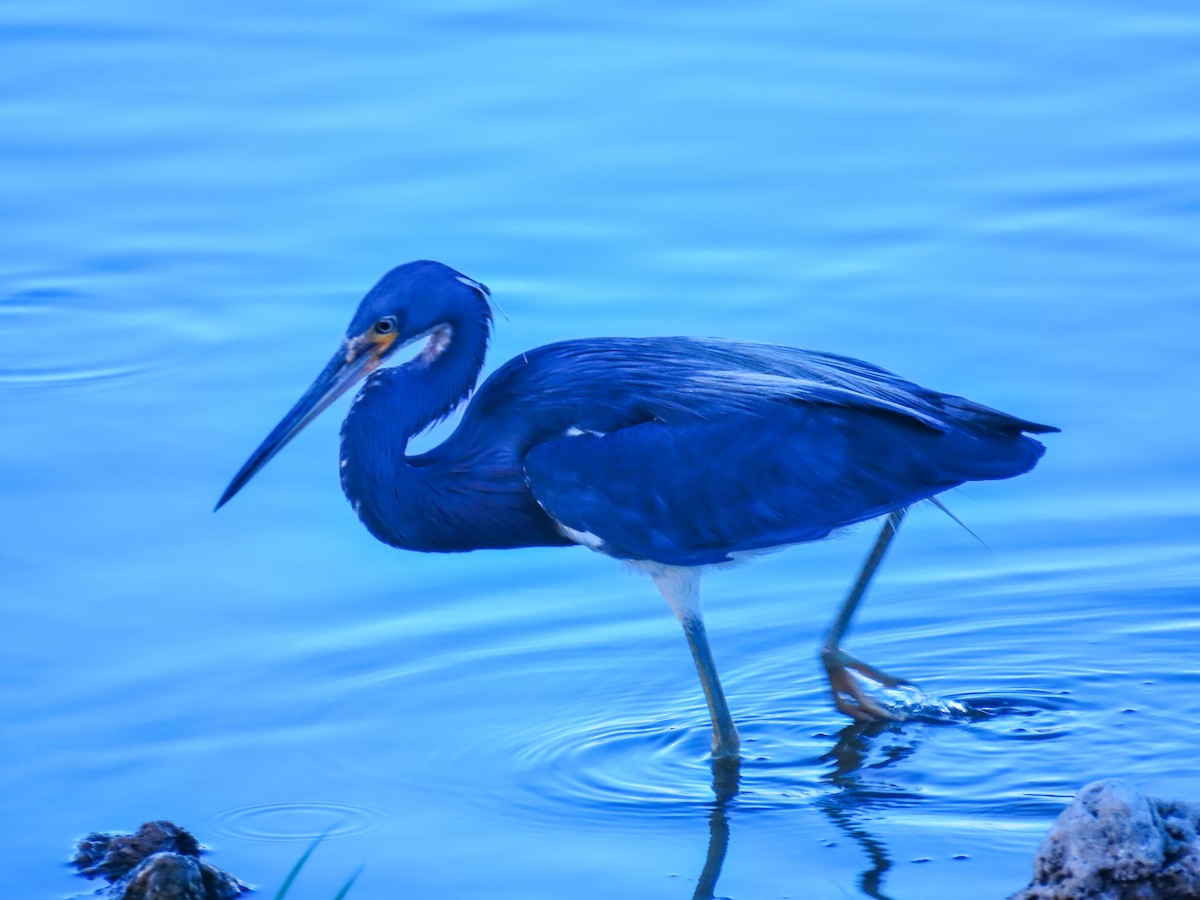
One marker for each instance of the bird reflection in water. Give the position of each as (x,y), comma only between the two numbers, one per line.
(726,781)
(849,806)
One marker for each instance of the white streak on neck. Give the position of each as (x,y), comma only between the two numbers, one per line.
(439,340)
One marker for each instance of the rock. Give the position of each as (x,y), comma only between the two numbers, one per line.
(160,861)
(115,855)
(169,876)
(165,876)
(1113,843)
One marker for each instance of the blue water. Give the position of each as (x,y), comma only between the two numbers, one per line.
(1001,200)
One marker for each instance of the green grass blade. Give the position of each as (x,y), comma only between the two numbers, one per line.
(287,882)
(341,895)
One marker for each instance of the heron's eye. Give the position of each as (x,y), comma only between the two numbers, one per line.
(386,325)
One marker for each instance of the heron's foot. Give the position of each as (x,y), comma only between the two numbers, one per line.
(850,695)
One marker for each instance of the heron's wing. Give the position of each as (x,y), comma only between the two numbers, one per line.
(702,492)
(605,383)
(744,374)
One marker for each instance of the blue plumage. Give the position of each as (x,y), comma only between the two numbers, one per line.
(678,452)
(695,494)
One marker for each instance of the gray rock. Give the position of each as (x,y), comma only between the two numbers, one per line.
(170,876)
(160,861)
(1113,843)
(164,876)
(113,856)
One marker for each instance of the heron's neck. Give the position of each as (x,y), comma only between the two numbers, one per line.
(407,399)
(391,492)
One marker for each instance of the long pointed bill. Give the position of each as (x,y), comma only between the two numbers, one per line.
(350,364)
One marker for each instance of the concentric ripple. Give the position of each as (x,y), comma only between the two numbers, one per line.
(662,766)
(298,820)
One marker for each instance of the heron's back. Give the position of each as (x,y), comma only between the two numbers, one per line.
(601,384)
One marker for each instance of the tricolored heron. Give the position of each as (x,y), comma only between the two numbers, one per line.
(672,453)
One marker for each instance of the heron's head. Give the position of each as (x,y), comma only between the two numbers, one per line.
(417,301)
(414,301)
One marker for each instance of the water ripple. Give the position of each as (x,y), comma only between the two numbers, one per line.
(124,340)
(302,820)
(916,706)
(662,766)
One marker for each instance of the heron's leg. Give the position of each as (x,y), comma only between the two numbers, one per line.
(848,694)
(725,736)
(681,588)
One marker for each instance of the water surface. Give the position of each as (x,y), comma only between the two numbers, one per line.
(999,200)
